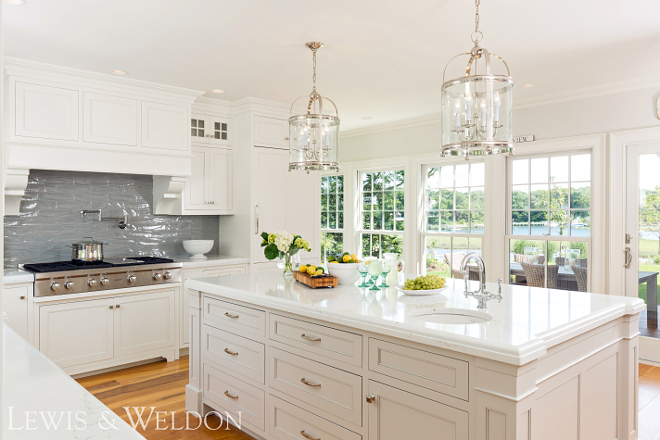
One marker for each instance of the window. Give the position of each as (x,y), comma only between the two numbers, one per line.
(381,212)
(332,215)
(453,215)
(549,232)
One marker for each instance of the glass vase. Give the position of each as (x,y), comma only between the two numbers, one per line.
(288,263)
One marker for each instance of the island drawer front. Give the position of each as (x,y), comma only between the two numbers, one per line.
(439,373)
(318,339)
(240,355)
(246,399)
(339,393)
(245,320)
(289,422)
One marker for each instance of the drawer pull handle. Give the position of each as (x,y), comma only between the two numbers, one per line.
(22,296)
(303,380)
(371,399)
(233,353)
(310,338)
(231,396)
(229,315)
(304,434)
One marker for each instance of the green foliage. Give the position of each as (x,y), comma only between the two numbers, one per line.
(518,246)
(649,215)
(271,251)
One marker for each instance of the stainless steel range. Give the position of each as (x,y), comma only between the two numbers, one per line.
(66,277)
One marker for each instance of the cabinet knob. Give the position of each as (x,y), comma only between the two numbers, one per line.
(117,306)
(22,296)
(371,399)
(111,307)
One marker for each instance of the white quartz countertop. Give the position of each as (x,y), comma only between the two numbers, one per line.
(32,382)
(525,323)
(17,276)
(211,261)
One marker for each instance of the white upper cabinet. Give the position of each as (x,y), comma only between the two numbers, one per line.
(271,132)
(207,130)
(165,126)
(110,119)
(46,112)
(210,188)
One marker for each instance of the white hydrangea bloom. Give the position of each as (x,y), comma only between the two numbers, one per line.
(283,241)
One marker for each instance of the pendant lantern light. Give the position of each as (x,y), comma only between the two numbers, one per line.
(314,136)
(477,107)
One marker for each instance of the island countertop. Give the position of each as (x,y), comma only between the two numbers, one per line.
(526,322)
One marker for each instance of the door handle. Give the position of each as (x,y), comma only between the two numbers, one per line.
(628,255)
(256,210)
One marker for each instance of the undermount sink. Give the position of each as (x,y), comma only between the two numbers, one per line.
(451,316)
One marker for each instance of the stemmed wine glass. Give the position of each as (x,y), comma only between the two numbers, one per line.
(387,267)
(362,268)
(375,269)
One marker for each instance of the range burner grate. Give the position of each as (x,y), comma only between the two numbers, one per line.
(63,266)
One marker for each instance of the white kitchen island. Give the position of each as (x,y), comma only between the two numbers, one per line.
(295,363)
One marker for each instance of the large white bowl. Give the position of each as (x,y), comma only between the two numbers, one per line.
(198,247)
(346,273)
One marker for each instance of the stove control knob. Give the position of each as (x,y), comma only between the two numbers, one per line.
(167,275)
(55,286)
(105,281)
(132,279)
(158,276)
(92,283)
(68,285)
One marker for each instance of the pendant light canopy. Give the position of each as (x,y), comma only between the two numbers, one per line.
(314,136)
(477,107)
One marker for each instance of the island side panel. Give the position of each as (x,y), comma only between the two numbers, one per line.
(194,387)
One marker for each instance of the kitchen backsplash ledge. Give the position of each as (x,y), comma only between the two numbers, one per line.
(50,218)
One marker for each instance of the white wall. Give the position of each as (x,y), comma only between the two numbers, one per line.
(598,114)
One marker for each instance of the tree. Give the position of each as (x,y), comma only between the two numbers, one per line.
(649,215)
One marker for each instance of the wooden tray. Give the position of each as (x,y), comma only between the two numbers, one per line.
(326,281)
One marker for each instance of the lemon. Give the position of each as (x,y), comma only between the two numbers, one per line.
(319,272)
(353,257)
(346,258)
(335,262)
(302,268)
(311,269)
(367,263)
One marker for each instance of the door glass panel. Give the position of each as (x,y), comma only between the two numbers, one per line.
(649,241)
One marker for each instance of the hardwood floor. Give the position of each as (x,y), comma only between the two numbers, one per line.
(161,384)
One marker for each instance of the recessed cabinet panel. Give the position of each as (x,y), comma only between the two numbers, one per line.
(165,126)
(15,304)
(110,119)
(77,333)
(271,132)
(197,183)
(46,112)
(222,183)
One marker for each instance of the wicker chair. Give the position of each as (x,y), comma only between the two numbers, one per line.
(559,261)
(581,277)
(581,262)
(535,274)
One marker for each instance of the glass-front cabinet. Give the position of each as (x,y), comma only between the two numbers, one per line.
(209,130)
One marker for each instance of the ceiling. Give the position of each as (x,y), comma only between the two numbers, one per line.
(382,60)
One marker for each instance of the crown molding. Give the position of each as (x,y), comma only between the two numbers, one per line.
(261,106)
(572,95)
(212,106)
(17,67)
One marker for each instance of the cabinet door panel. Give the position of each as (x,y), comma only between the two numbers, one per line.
(271,132)
(109,119)
(220,134)
(200,129)
(303,213)
(16,307)
(77,333)
(221,176)
(46,112)
(144,322)
(196,185)
(271,184)
(165,126)
(396,415)
(184,328)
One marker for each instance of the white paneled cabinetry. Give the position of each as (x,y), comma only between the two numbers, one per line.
(17,305)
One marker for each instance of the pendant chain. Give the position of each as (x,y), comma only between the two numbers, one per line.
(314,62)
(476,16)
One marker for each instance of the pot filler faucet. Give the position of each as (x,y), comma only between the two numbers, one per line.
(482,295)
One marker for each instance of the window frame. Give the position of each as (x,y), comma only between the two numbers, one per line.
(323,255)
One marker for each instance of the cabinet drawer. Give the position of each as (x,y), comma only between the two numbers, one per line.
(245,320)
(224,271)
(234,396)
(290,422)
(235,354)
(429,370)
(318,339)
(329,389)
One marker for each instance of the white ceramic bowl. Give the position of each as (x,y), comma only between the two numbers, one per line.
(198,247)
(346,273)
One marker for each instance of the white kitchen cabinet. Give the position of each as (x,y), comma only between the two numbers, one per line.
(396,414)
(271,132)
(165,126)
(110,119)
(210,188)
(47,112)
(76,333)
(15,304)
(144,322)
(284,201)
(207,130)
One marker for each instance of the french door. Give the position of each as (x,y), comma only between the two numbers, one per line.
(642,238)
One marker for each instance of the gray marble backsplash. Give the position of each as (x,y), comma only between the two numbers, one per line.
(50,218)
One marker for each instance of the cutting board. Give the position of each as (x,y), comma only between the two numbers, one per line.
(314,282)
